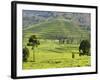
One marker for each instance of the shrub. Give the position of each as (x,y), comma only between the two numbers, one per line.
(84,47)
(25,54)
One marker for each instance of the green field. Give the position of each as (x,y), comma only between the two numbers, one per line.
(51,54)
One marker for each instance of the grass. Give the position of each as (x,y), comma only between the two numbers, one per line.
(50,54)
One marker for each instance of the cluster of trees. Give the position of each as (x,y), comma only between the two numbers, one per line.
(64,38)
(66,41)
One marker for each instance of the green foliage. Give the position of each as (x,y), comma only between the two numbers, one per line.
(32,38)
(33,41)
(84,47)
(25,54)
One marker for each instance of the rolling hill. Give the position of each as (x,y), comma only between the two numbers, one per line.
(57,28)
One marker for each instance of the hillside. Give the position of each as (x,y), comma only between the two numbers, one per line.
(57,28)
(32,17)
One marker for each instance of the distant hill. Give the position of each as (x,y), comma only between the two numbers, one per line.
(56,28)
(31,17)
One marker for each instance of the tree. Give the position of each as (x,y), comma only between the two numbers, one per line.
(34,43)
(25,54)
(84,47)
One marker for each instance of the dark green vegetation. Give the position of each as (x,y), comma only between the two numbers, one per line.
(56,43)
(25,54)
(84,47)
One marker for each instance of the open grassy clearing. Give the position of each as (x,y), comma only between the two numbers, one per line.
(51,54)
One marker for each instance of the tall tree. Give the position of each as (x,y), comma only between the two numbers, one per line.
(34,42)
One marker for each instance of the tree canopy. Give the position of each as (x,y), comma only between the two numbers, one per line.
(84,47)
(33,41)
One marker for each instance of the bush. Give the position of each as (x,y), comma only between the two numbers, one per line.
(25,54)
(84,47)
